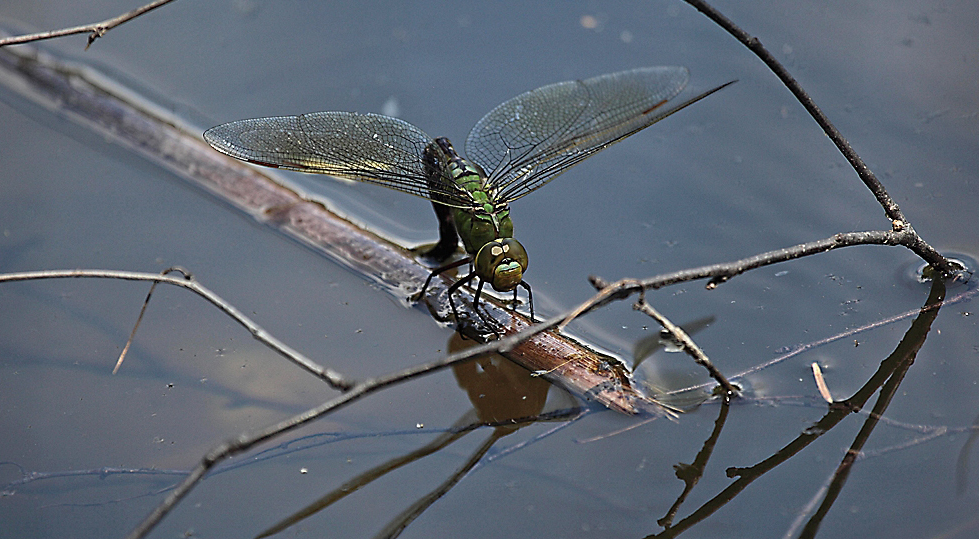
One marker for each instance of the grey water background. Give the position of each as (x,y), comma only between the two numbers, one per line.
(742,172)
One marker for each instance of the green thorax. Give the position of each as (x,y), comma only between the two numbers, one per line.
(486,220)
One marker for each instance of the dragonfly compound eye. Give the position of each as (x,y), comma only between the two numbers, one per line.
(502,263)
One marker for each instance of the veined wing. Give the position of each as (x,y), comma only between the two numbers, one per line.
(528,140)
(364,147)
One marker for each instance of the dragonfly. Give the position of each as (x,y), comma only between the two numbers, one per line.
(515,149)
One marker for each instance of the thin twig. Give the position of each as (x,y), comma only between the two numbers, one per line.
(142,311)
(605,295)
(722,272)
(687,343)
(95,30)
(332,377)
(817,373)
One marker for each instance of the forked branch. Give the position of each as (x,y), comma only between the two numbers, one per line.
(891,209)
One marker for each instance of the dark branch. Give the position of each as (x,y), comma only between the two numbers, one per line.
(720,273)
(169,142)
(891,209)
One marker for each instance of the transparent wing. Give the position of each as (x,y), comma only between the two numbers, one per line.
(364,147)
(528,140)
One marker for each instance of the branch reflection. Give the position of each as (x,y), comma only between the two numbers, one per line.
(887,378)
(504,396)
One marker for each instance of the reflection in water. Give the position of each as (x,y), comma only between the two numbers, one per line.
(962,463)
(648,346)
(504,396)
(500,391)
(690,474)
(887,379)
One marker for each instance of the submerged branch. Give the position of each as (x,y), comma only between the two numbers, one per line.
(87,98)
(77,93)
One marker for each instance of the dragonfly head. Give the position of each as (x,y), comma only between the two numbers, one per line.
(501,262)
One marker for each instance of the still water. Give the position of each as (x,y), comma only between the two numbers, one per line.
(740,173)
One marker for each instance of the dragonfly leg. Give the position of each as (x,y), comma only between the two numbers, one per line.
(488,320)
(438,271)
(493,324)
(456,286)
(530,298)
(479,291)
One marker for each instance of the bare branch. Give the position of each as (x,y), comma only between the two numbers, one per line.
(722,272)
(330,376)
(869,179)
(687,343)
(95,30)
(142,311)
